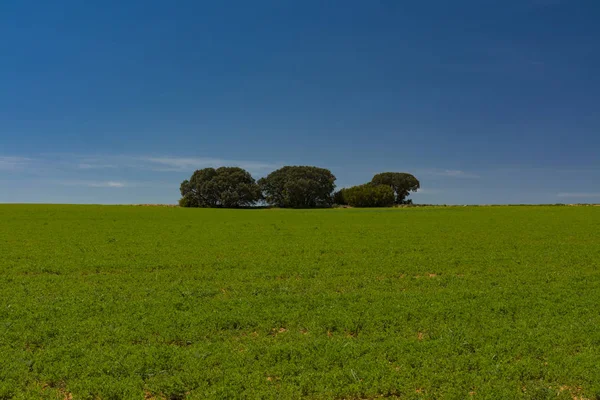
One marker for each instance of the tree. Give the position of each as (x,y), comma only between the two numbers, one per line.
(298,187)
(369,195)
(339,199)
(228,187)
(401,183)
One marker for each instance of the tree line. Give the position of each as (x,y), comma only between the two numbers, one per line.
(292,187)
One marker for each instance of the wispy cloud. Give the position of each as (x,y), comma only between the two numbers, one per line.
(94,184)
(113,184)
(117,171)
(449,173)
(161,163)
(427,191)
(583,195)
(11,163)
(170,163)
(110,184)
(96,166)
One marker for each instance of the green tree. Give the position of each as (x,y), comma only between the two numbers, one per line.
(400,182)
(339,199)
(369,195)
(228,187)
(298,187)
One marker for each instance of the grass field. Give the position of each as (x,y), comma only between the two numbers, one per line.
(125,302)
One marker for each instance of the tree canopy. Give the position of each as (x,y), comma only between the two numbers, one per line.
(400,182)
(339,198)
(368,195)
(228,187)
(298,187)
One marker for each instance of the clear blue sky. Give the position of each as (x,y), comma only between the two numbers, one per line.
(118,101)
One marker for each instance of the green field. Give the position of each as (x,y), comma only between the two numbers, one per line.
(126,302)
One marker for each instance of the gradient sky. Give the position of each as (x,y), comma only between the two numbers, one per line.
(118,101)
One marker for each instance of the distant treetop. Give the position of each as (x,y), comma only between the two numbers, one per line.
(401,183)
(298,187)
(228,187)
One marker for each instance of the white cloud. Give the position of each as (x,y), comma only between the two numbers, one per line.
(429,191)
(11,163)
(111,184)
(450,173)
(169,163)
(95,166)
(114,184)
(161,163)
(114,171)
(95,184)
(586,195)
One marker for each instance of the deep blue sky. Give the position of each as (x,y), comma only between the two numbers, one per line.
(118,101)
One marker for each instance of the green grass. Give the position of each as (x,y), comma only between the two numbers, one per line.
(123,302)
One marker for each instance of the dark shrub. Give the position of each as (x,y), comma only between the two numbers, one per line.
(369,195)
(338,198)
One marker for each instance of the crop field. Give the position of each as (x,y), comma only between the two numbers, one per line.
(131,302)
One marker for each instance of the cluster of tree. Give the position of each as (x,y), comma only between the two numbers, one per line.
(291,186)
(384,190)
(233,187)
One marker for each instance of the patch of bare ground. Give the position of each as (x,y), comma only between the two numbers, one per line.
(60,389)
(428,275)
(575,392)
(277,331)
(383,277)
(66,395)
(150,396)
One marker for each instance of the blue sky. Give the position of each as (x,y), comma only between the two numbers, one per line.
(118,101)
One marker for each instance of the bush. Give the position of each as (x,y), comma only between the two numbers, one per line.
(369,195)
